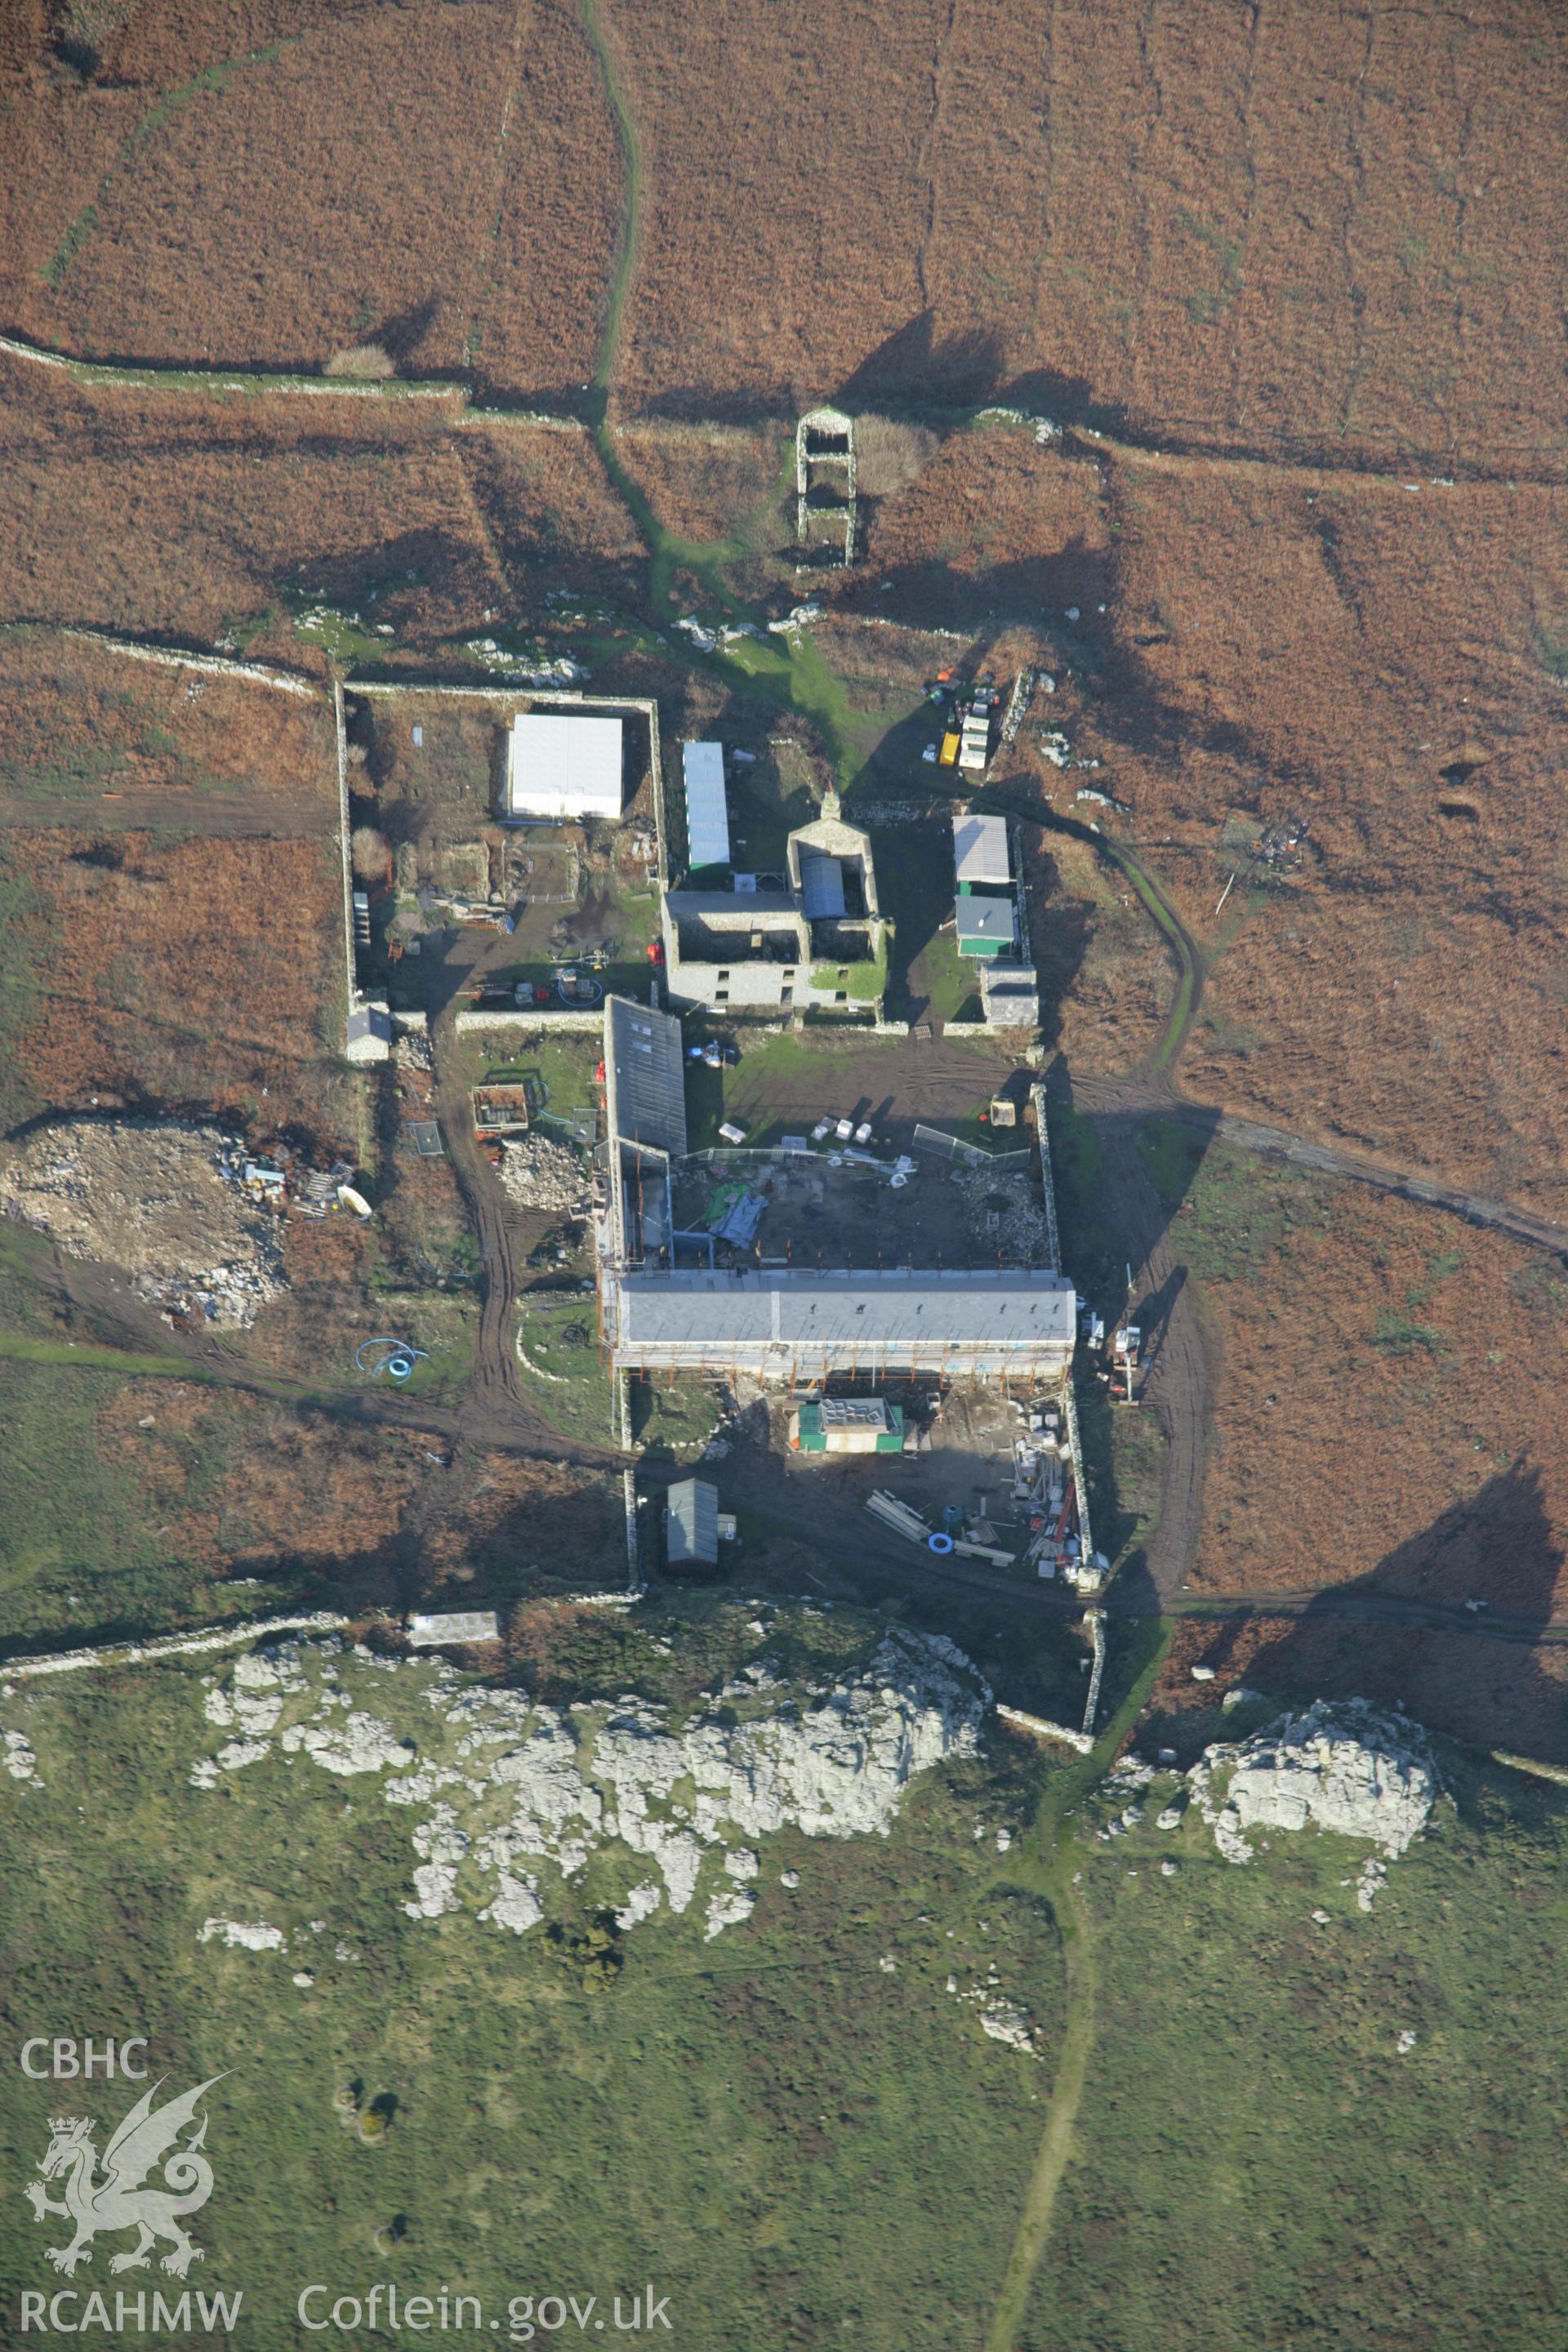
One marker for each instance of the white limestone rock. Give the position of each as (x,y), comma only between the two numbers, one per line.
(360,1744)
(504,1789)
(1005,2021)
(241,1935)
(728,1909)
(1342,1766)
(641,1905)
(515,1904)
(435,1890)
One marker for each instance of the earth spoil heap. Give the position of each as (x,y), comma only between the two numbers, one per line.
(159,1199)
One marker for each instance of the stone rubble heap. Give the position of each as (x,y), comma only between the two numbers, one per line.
(538,1174)
(1344,1765)
(1021,1230)
(506,1791)
(160,1198)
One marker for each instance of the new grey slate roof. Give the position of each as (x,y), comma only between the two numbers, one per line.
(1016,1310)
(644,1072)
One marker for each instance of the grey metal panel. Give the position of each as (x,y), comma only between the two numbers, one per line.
(821,885)
(985,918)
(646,1076)
(693,1509)
(980,849)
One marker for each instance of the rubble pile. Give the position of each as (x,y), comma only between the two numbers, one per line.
(163,1199)
(1007,1213)
(539,1174)
(506,1793)
(1344,1766)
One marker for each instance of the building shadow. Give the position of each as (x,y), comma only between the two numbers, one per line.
(1119,1185)
(1403,1634)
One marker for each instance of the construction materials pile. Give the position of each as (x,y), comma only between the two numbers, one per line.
(164,1200)
(1043,1481)
(539,1174)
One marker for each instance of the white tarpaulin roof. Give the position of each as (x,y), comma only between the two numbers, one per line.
(980,849)
(563,765)
(706,811)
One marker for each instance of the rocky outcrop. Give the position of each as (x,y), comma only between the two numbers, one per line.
(1344,1766)
(506,1793)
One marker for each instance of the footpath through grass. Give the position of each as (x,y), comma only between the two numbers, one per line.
(1048,1866)
(705,2118)
(1304,2123)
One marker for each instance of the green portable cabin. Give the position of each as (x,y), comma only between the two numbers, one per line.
(984,922)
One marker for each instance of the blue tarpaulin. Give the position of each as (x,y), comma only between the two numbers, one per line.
(740,1222)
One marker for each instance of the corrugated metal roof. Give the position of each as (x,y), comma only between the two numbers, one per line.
(563,764)
(980,849)
(645,1076)
(821,885)
(692,1517)
(707,810)
(1016,1310)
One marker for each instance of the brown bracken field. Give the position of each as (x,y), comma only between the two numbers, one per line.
(1270,299)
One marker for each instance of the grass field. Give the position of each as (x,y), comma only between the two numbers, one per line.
(172,971)
(77,1538)
(1259,2163)
(567,1376)
(706,2121)
(1256,2158)
(1419,1358)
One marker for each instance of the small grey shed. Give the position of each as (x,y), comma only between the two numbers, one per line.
(691,1524)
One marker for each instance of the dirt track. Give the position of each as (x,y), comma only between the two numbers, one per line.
(508,1427)
(1178,1384)
(233,816)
